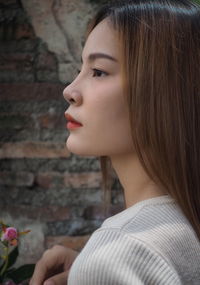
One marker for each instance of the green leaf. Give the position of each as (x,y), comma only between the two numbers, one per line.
(1,266)
(3,277)
(22,273)
(10,270)
(12,257)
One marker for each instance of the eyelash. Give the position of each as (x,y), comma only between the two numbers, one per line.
(95,72)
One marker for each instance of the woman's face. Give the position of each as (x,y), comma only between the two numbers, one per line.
(97,100)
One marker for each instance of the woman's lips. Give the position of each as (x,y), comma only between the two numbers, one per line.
(72,123)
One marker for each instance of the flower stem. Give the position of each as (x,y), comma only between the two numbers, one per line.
(6,262)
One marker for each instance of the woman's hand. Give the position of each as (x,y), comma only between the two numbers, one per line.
(53,267)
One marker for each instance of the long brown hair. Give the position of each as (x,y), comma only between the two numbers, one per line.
(160,49)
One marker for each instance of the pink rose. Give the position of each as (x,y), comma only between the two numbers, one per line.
(9,234)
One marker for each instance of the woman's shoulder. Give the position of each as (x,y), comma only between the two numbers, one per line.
(160,215)
(151,242)
(114,257)
(161,228)
(158,221)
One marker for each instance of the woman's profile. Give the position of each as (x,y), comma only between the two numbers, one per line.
(135,104)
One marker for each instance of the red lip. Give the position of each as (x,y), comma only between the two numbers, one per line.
(72,123)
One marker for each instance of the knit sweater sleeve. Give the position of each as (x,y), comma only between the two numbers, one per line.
(112,257)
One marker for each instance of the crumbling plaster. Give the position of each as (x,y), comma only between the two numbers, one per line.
(61,24)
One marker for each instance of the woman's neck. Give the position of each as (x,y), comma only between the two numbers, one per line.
(136,183)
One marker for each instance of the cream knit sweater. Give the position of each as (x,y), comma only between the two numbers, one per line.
(149,243)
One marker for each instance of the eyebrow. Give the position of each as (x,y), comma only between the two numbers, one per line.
(98,55)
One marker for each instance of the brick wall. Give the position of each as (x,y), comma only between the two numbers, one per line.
(42,186)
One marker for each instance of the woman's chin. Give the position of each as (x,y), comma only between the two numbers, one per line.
(78,149)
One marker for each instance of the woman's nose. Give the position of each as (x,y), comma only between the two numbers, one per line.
(73,97)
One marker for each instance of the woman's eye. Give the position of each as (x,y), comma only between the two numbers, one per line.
(98,73)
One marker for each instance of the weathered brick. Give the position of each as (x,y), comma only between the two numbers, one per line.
(73,164)
(15,121)
(16,178)
(97,212)
(8,76)
(33,150)
(24,30)
(51,120)
(17,67)
(49,180)
(16,135)
(73,242)
(1,33)
(46,60)
(44,180)
(8,2)
(33,135)
(34,107)
(56,196)
(83,180)
(7,29)
(31,91)
(17,61)
(75,227)
(44,214)
(22,46)
(46,76)
(25,121)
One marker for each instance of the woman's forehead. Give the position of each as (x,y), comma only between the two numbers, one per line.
(102,39)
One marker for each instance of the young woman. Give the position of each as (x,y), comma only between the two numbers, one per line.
(136,103)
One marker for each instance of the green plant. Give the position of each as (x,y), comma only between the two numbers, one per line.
(9,252)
